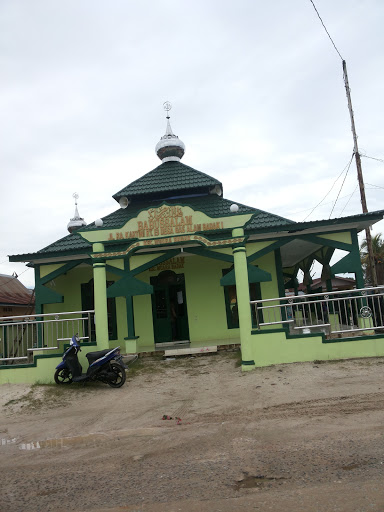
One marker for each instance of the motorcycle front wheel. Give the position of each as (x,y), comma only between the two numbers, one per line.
(119,375)
(63,376)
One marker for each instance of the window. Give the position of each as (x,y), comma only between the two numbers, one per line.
(231,302)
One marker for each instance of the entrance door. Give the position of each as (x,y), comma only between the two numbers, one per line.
(169,308)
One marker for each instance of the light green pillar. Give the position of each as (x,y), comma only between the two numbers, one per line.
(244,309)
(366,323)
(100,294)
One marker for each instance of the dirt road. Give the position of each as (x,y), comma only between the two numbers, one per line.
(301,437)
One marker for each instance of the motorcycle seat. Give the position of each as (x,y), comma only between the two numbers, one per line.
(92,356)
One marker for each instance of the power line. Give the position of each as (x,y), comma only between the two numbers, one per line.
(308,209)
(376,186)
(325,28)
(346,174)
(373,158)
(15,277)
(350,197)
(330,190)
(356,153)
(331,202)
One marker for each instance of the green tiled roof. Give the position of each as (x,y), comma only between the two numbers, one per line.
(212,205)
(70,242)
(168,177)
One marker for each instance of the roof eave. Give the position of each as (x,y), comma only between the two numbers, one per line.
(49,257)
(358,222)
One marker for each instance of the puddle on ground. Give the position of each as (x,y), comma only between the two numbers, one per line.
(350,467)
(5,442)
(88,439)
(252,482)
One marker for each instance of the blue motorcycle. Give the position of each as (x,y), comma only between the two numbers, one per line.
(105,365)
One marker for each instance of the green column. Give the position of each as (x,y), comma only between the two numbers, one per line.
(129,308)
(244,310)
(359,275)
(100,293)
(38,310)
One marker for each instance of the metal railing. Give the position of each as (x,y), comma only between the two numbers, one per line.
(21,336)
(355,312)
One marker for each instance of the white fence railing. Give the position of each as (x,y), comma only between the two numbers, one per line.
(335,313)
(20,336)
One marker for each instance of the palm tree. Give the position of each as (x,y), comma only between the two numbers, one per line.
(378,254)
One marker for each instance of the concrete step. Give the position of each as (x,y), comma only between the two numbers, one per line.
(188,351)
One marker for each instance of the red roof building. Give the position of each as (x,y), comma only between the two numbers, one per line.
(15,298)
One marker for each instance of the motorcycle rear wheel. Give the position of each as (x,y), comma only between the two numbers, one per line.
(120,378)
(63,376)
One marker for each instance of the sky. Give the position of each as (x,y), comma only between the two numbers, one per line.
(257,97)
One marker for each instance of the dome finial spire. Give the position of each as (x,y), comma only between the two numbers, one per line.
(76,222)
(167,105)
(170,147)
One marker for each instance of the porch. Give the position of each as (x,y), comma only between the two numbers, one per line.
(23,338)
(332,315)
(341,314)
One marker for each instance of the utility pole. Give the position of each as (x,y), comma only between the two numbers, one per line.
(360,176)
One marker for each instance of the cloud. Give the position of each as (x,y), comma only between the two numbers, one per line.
(257,92)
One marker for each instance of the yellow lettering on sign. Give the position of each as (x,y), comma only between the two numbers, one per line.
(173,263)
(164,221)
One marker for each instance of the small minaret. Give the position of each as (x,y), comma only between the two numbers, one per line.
(76,222)
(169,148)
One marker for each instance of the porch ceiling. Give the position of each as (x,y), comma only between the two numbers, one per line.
(295,251)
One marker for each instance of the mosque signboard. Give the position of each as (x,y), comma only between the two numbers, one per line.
(167,225)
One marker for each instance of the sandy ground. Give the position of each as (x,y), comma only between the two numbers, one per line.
(301,437)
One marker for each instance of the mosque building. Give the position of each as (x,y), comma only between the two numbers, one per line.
(178,263)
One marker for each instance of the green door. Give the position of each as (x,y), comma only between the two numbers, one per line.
(169,307)
(161,315)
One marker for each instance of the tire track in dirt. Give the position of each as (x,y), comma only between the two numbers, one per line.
(332,406)
(326,406)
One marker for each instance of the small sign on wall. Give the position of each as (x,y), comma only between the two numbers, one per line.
(171,264)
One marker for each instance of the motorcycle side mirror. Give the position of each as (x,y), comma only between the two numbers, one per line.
(75,341)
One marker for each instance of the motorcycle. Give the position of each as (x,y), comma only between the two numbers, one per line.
(105,365)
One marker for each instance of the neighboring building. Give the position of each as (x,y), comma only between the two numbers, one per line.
(337,283)
(15,298)
(178,262)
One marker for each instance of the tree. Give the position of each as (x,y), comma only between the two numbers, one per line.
(378,254)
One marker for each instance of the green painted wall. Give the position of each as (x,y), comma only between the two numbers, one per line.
(205,302)
(275,348)
(141,259)
(69,285)
(344,236)
(116,263)
(205,299)
(269,289)
(44,370)
(47,269)
(142,311)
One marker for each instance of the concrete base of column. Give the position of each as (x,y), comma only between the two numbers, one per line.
(250,365)
(366,323)
(334,321)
